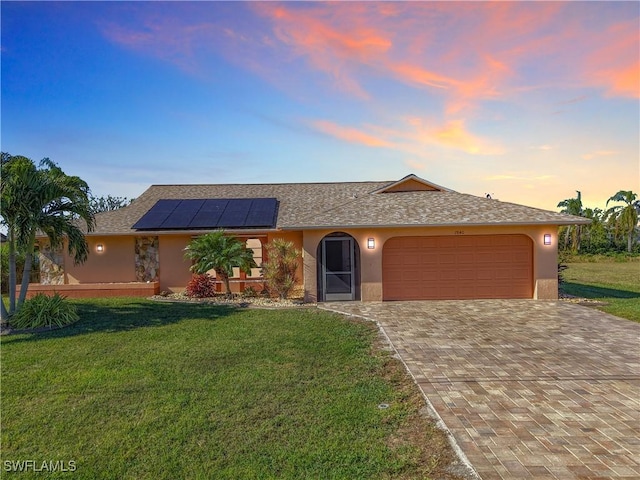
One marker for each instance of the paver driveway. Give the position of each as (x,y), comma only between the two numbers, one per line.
(529,389)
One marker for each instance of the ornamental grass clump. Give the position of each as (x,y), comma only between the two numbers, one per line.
(44,311)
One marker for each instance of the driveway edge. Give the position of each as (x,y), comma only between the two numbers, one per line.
(432,411)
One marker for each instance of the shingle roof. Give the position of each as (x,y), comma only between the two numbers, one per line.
(424,208)
(343,204)
(297,201)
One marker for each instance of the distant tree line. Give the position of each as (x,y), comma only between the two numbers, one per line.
(108,203)
(615,229)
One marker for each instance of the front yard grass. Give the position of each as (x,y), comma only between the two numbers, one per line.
(145,390)
(615,283)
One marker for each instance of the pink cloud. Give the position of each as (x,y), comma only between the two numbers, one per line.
(328,44)
(599,153)
(615,62)
(454,134)
(415,165)
(164,38)
(414,136)
(462,53)
(420,76)
(350,134)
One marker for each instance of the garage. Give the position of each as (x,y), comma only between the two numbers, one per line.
(457,267)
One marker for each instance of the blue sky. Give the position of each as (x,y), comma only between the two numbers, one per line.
(528,101)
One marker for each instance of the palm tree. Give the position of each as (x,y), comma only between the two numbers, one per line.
(43,200)
(624,218)
(219,252)
(572,206)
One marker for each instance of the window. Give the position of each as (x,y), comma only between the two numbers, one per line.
(256,245)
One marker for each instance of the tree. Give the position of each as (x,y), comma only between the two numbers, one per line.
(624,218)
(280,268)
(595,234)
(219,252)
(572,206)
(109,203)
(4,266)
(43,200)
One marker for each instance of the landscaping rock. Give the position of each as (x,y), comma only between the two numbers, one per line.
(236,300)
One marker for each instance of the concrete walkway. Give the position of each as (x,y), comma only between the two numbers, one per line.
(528,389)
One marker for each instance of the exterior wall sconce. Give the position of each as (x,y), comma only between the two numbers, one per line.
(547,239)
(100,248)
(371,243)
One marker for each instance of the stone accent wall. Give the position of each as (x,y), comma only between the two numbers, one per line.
(147,259)
(51,265)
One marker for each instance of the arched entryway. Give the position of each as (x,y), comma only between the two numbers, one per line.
(338,268)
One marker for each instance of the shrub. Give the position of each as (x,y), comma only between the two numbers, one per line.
(44,311)
(250,292)
(221,253)
(280,268)
(563,258)
(4,267)
(201,286)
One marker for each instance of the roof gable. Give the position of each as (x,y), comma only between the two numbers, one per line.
(412,183)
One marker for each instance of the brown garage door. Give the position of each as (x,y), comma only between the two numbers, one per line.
(457,267)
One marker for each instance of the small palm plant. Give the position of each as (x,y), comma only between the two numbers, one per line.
(219,252)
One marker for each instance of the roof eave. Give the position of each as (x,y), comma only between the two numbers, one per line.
(182,232)
(431,225)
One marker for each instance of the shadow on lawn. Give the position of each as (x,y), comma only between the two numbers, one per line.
(117,315)
(592,291)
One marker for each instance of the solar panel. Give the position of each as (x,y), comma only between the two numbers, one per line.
(183,215)
(263,212)
(190,214)
(209,214)
(235,214)
(156,214)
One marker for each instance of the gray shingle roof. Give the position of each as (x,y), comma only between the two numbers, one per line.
(432,209)
(344,204)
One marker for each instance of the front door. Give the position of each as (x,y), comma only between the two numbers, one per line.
(338,271)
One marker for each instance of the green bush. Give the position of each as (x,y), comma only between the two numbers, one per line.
(607,257)
(44,311)
(250,292)
(4,267)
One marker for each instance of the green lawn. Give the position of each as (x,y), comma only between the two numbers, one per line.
(139,389)
(615,283)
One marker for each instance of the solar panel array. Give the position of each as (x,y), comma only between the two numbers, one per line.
(193,214)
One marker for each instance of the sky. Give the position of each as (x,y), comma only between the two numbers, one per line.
(526,101)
